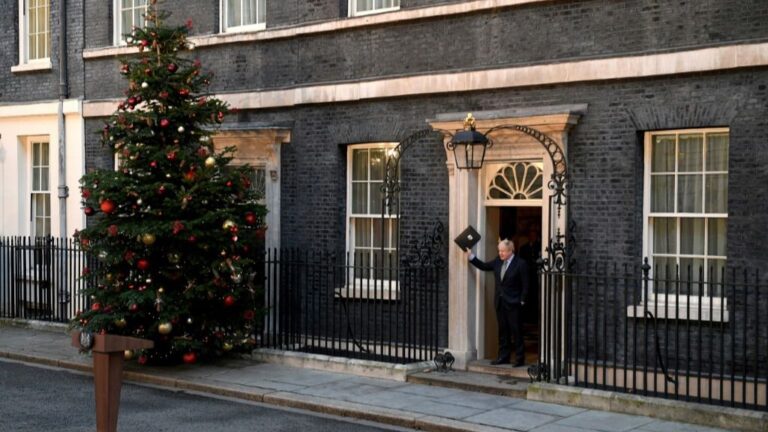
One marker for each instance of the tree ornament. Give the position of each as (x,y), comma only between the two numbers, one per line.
(107,206)
(226,346)
(144,85)
(171,155)
(96,307)
(180,129)
(142,360)
(174,258)
(189,321)
(177,227)
(229,300)
(210,162)
(164,123)
(124,69)
(190,175)
(161,190)
(228,224)
(164,328)
(250,218)
(189,358)
(184,91)
(128,355)
(142,264)
(133,307)
(120,322)
(172,67)
(148,239)
(163,94)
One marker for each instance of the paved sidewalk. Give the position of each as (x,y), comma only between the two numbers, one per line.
(403,404)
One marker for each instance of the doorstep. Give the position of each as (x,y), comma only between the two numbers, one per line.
(473,381)
(366,368)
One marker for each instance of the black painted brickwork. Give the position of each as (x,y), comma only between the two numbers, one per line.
(40,85)
(551,31)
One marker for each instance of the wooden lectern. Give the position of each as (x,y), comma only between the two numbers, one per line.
(108,357)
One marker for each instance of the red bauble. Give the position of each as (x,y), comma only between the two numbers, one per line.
(192,239)
(153,164)
(172,67)
(229,300)
(250,218)
(107,206)
(189,358)
(171,155)
(161,190)
(85,193)
(112,230)
(142,264)
(164,123)
(190,175)
(88,211)
(163,94)
(142,360)
(177,227)
(229,184)
(184,91)
(133,307)
(96,306)
(144,42)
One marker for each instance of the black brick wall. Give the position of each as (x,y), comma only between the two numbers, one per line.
(40,85)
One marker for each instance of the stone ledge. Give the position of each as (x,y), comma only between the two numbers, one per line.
(34,325)
(366,368)
(665,409)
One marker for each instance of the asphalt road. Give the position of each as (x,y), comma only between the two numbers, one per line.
(34,399)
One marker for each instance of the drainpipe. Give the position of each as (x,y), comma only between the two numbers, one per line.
(63,188)
(64,296)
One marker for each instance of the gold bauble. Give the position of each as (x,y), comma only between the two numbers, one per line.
(148,239)
(210,162)
(228,224)
(226,346)
(164,328)
(128,354)
(120,322)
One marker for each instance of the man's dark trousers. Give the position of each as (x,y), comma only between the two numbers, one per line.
(509,318)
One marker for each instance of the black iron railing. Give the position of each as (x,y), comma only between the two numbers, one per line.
(693,334)
(40,278)
(320,302)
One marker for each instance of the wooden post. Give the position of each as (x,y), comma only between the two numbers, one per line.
(108,356)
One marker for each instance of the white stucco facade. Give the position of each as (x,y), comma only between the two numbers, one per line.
(20,126)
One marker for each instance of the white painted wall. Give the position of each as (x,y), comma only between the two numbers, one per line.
(17,122)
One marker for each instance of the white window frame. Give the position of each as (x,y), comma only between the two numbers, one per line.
(24,57)
(32,143)
(119,31)
(366,288)
(669,305)
(257,26)
(353,12)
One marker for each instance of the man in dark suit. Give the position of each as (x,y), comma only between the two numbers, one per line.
(511,274)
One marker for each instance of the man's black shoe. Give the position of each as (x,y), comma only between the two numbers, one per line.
(518,364)
(499,361)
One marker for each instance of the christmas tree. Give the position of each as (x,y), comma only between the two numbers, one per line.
(172,232)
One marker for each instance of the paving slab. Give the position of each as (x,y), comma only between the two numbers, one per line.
(557,428)
(548,408)
(605,421)
(665,426)
(480,400)
(511,418)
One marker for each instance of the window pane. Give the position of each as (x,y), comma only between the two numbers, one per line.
(35,179)
(392,242)
(716,236)
(689,194)
(692,236)
(233,13)
(249,12)
(664,274)
(377,164)
(262,15)
(663,193)
(362,232)
(717,152)
(360,165)
(44,179)
(663,153)
(692,274)
(717,193)
(377,234)
(691,152)
(359,198)
(665,235)
(715,277)
(376,197)
(36,152)
(44,153)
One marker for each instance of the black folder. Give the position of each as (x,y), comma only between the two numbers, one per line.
(468,238)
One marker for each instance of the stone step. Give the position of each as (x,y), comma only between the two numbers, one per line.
(473,381)
(507,370)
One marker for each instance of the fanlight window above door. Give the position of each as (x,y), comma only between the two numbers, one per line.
(519,181)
